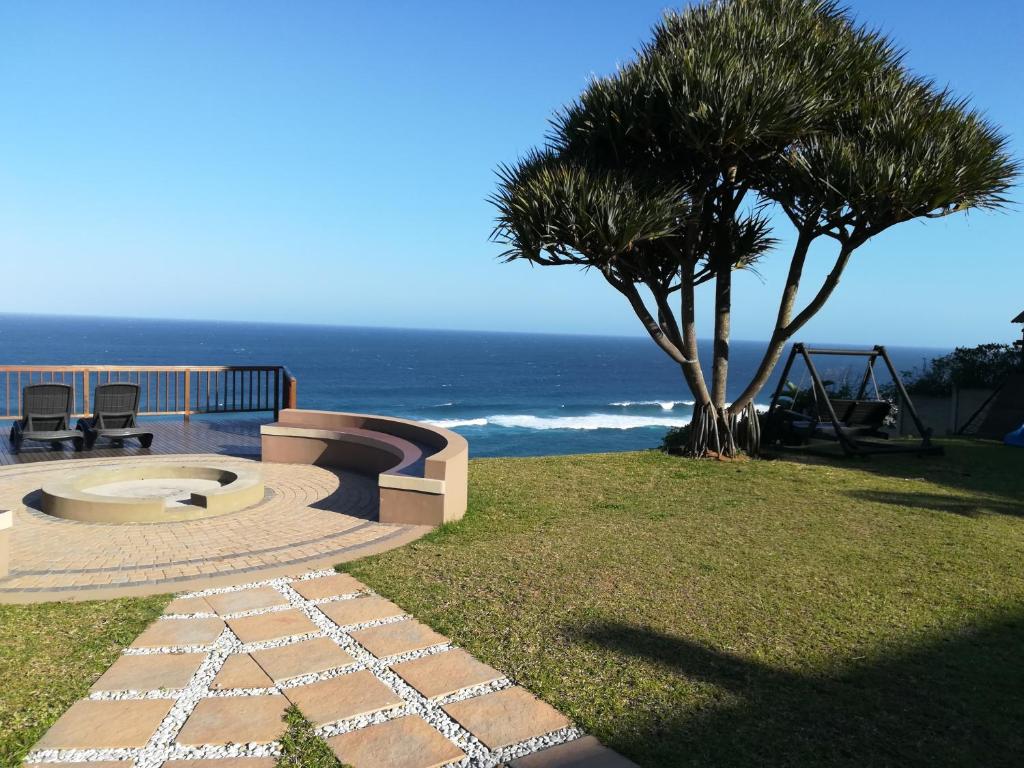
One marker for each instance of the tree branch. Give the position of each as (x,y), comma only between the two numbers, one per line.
(796,271)
(779,337)
(629,290)
(666,316)
(692,372)
(823,293)
(705,275)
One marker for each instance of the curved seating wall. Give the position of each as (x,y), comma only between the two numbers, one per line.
(422,470)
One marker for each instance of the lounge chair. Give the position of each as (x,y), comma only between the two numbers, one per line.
(115,408)
(46,415)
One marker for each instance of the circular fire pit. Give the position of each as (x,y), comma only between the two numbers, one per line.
(154,493)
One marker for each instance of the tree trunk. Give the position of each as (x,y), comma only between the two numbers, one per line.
(713,428)
(723,309)
(712,433)
(723,434)
(747,430)
(688,329)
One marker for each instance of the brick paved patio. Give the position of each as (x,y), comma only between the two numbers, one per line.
(206,686)
(310,517)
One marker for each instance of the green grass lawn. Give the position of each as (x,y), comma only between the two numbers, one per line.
(859,613)
(50,653)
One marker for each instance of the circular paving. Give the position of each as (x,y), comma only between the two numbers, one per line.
(309,516)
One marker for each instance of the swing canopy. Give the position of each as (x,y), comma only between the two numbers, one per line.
(857,424)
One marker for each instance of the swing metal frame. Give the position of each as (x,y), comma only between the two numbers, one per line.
(849,442)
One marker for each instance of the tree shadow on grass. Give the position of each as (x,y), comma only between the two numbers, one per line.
(955,701)
(973,466)
(966,506)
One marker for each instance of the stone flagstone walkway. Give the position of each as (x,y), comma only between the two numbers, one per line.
(207,684)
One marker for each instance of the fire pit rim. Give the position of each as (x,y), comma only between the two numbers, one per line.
(67,497)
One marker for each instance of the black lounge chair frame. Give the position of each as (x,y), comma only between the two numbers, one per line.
(46,416)
(115,410)
(855,424)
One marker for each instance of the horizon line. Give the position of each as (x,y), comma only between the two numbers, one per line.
(300,324)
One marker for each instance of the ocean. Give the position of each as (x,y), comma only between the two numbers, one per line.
(509,394)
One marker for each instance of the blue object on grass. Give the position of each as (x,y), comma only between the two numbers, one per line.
(1016,437)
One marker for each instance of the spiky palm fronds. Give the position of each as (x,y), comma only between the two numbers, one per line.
(745,240)
(554,211)
(904,149)
(722,84)
(787,99)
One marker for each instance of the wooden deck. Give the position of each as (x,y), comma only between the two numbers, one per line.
(226,435)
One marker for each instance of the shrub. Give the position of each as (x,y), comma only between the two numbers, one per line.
(676,440)
(982,367)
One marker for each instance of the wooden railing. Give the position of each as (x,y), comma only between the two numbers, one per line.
(163,389)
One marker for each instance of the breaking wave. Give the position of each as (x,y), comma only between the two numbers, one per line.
(450,423)
(592,421)
(666,405)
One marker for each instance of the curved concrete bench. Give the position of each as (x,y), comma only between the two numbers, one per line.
(422,470)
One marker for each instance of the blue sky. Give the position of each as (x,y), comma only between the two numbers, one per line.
(329,163)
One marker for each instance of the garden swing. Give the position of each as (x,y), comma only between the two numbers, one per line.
(857,424)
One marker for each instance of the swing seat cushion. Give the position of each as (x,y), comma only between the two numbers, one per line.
(862,414)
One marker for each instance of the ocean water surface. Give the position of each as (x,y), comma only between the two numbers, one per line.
(509,394)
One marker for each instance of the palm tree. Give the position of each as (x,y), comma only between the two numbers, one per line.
(664,176)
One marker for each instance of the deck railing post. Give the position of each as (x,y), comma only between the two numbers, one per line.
(277,393)
(292,401)
(85,392)
(188,394)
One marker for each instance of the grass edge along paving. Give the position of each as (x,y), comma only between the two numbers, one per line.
(301,747)
(50,653)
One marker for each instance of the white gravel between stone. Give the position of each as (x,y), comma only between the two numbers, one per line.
(278,642)
(339,598)
(167,649)
(473,691)
(316,677)
(163,693)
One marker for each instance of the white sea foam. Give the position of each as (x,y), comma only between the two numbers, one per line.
(588,422)
(591,421)
(666,405)
(450,423)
